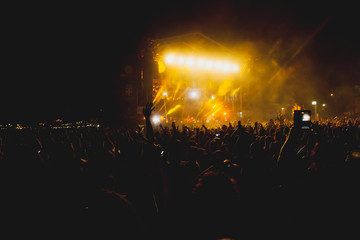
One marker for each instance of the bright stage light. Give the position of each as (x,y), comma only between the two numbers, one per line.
(209,64)
(201,63)
(170,58)
(190,62)
(235,68)
(156,119)
(218,65)
(193,94)
(180,60)
(226,67)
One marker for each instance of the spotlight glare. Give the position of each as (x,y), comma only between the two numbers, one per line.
(209,64)
(190,61)
(193,94)
(156,119)
(200,63)
(218,65)
(181,60)
(170,58)
(226,67)
(235,68)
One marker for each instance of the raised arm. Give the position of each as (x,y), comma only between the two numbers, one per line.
(149,131)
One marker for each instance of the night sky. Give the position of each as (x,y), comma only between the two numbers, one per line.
(62,58)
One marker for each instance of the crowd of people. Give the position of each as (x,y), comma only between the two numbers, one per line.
(182,182)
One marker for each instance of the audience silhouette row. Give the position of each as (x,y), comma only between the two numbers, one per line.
(182,182)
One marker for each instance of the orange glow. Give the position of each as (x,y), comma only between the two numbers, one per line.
(201,63)
(173,109)
(195,86)
(162,67)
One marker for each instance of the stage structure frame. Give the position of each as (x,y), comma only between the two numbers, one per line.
(182,93)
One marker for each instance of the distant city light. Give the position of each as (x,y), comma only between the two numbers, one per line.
(313,102)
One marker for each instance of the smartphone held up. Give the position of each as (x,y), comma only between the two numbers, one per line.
(302,119)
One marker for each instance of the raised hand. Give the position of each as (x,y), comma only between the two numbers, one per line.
(147,110)
(149,131)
